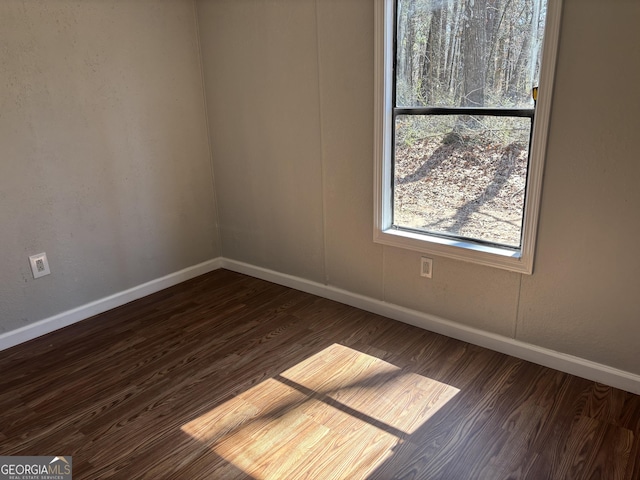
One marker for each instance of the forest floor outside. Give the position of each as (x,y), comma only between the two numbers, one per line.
(469,188)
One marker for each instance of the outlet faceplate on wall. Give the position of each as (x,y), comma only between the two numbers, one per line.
(426,267)
(39,265)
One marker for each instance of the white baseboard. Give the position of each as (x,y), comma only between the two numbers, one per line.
(526,351)
(542,356)
(48,325)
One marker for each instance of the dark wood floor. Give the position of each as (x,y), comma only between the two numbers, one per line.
(226,376)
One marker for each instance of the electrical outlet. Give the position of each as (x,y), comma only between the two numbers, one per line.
(39,265)
(426,267)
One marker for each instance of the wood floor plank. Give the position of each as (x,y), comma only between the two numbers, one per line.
(633,464)
(228,376)
(578,463)
(511,445)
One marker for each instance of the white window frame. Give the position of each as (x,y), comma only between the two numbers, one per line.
(509,259)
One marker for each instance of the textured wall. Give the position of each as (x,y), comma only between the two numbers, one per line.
(105,163)
(260,56)
(583,298)
(261,68)
(105,158)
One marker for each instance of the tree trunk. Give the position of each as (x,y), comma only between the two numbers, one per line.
(411,34)
(517,85)
(473,53)
(429,77)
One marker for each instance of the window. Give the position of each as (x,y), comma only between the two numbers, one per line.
(460,130)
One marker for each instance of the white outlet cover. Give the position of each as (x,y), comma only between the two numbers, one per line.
(426,267)
(39,265)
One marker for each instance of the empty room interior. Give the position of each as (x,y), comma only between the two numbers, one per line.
(201,175)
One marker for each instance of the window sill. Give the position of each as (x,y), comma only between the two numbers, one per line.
(504,258)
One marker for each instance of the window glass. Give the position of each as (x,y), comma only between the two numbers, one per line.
(468,53)
(460,140)
(462,176)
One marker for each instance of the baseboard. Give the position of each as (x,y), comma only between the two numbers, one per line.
(549,358)
(48,325)
(526,351)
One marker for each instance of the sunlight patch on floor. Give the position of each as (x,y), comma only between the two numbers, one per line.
(335,412)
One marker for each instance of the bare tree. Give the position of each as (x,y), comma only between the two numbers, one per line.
(473,52)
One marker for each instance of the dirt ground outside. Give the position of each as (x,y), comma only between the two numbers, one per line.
(473,189)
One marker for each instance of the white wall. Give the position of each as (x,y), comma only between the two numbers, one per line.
(290,91)
(104,160)
(262,94)
(106,166)
(584,297)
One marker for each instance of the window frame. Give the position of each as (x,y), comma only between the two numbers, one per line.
(516,260)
